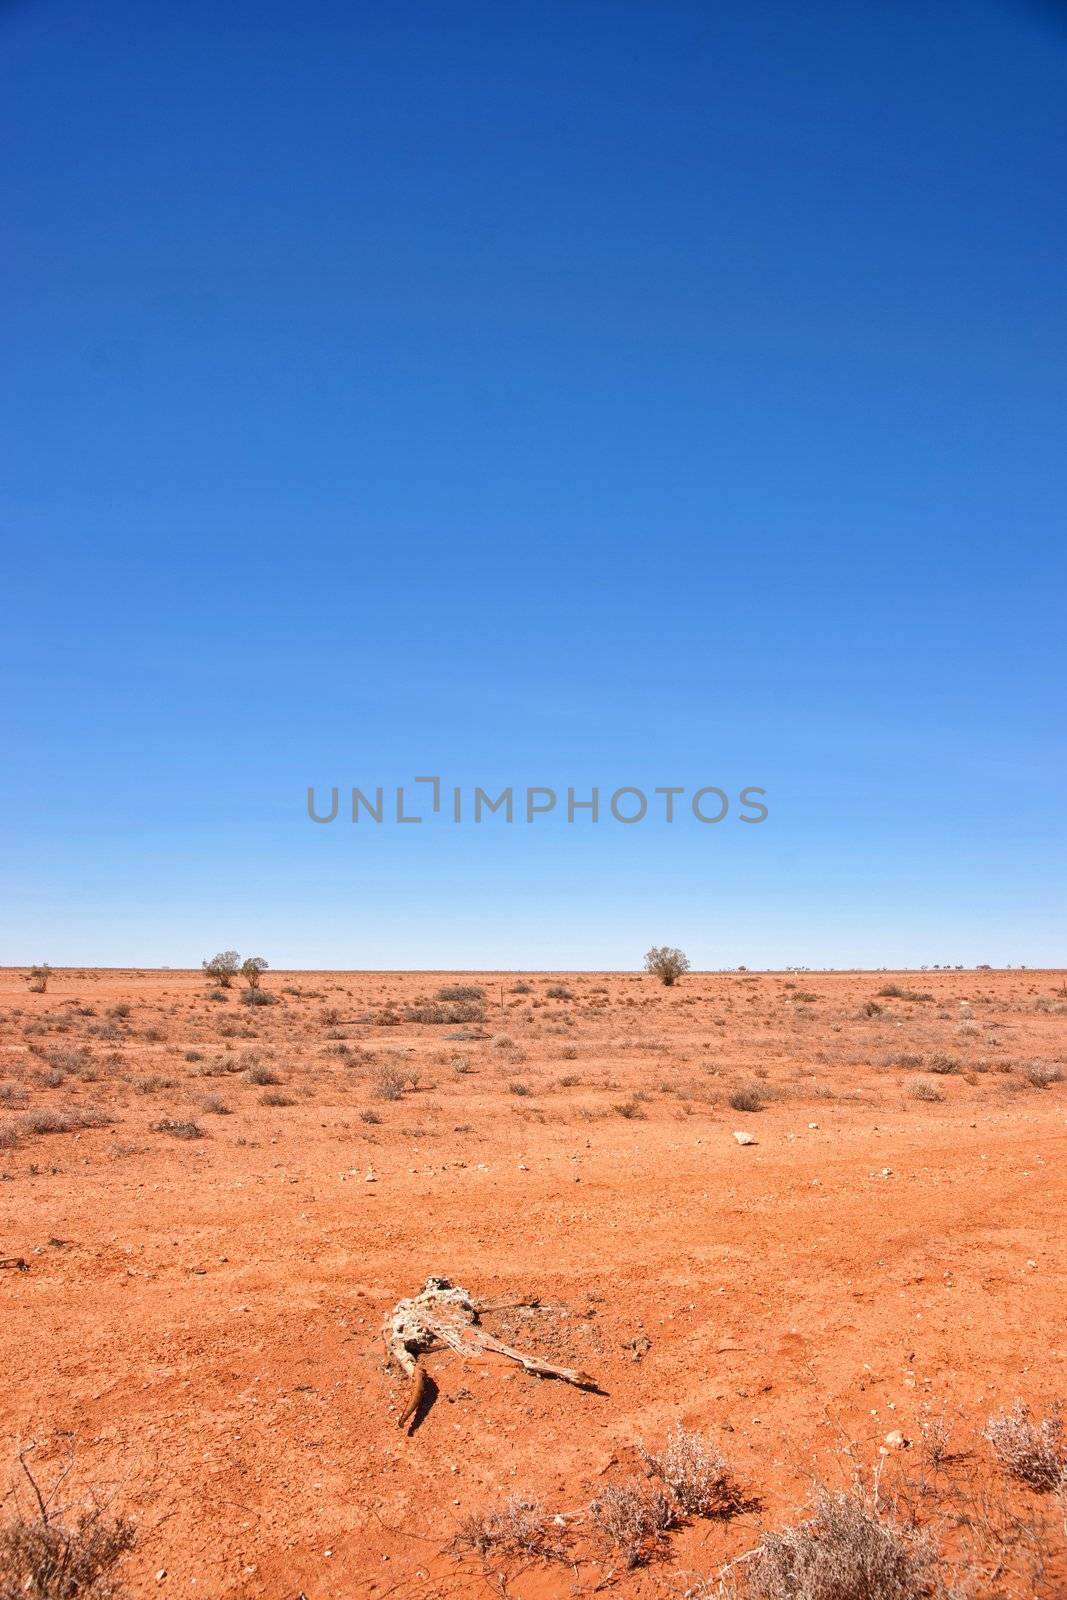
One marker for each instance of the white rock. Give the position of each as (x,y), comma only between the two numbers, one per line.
(745,1138)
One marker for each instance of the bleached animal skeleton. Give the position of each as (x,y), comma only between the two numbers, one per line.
(445,1314)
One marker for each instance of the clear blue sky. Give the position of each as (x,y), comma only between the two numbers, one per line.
(562,393)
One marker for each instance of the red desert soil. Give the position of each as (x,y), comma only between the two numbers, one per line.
(204,1314)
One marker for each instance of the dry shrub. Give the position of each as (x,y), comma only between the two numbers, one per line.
(51,1554)
(521,1527)
(633,1517)
(945,1065)
(48,1121)
(179,1129)
(66,1061)
(262,1076)
(49,1560)
(461,991)
(1035,1454)
(388,1082)
(694,1474)
(923,1089)
(845,1552)
(445,1011)
(748,1098)
(1040,1075)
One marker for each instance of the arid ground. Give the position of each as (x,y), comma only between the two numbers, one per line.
(219,1203)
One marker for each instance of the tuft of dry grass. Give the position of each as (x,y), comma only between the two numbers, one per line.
(847,1551)
(1033,1453)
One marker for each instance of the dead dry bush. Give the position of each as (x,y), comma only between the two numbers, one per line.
(47,1120)
(747,1098)
(521,1527)
(55,1553)
(178,1128)
(694,1474)
(388,1082)
(445,1012)
(1033,1453)
(846,1551)
(632,1518)
(1041,1075)
(262,1076)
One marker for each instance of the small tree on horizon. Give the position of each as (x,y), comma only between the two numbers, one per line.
(223,968)
(39,976)
(666,963)
(252,971)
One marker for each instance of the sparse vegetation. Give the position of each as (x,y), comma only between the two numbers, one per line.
(482,1146)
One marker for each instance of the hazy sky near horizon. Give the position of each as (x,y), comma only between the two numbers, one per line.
(569,394)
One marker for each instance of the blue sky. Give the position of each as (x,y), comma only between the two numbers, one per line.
(572,393)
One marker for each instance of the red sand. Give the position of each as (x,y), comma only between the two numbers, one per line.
(205,1315)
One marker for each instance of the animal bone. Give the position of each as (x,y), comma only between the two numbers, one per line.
(445,1314)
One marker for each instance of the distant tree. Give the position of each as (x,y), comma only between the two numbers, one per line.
(39,976)
(666,963)
(252,971)
(223,968)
